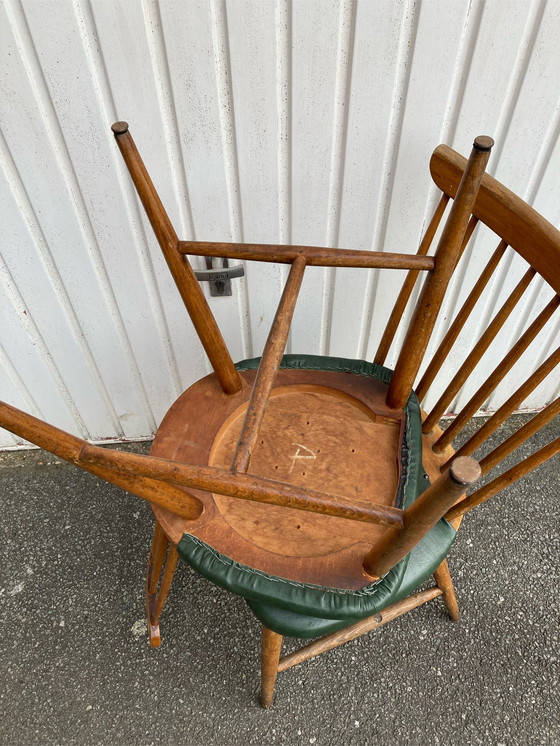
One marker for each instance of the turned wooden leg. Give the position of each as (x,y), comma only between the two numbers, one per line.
(155,599)
(270,656)
(443,579)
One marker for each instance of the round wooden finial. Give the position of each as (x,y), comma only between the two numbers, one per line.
(465,470)
(483,142)
(119,128)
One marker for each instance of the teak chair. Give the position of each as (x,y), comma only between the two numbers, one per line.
(315,487)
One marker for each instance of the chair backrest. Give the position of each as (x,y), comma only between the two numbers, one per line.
(517,225)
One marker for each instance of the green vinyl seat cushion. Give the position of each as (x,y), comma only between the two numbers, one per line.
(272,595)
(423,561)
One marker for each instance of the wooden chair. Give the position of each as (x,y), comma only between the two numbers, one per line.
(315,487)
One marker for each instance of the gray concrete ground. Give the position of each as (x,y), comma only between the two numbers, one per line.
(77,669)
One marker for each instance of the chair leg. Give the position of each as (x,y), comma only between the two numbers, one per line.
(442,576)
(270,656)
(155,599)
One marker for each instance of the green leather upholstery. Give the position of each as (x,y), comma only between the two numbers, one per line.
(307,610)
(423,560)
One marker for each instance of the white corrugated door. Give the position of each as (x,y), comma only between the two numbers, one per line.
(301,122)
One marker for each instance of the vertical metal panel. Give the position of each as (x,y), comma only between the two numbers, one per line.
(302,121)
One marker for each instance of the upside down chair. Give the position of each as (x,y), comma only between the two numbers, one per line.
(316,487)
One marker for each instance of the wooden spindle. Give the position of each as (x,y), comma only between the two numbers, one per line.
(431,298)
(476,401)
(504,480)
(458,323)
(421,516)
(270,362)
(328,642)
(520,436)
(476,354)
(408,285)
(442,576)
(315,256)
(68,447)
(242,486)
(511,404)
(185,280)
(271,647)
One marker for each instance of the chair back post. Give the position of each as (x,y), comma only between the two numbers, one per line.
(447,254)
(185,280)
(422,516)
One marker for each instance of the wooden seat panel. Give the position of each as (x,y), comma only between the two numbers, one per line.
(323,430)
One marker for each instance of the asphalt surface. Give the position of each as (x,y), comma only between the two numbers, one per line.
(76,668)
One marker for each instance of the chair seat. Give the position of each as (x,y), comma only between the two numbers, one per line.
(423,561)
(328,428)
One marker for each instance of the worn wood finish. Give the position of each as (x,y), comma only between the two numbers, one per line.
(315,256)
(69,448)
(313,440)
(187,284)
(497,375)
(268,368)
(335,639)
(410,281)
(509,406)
(442,576)
(422,516)
(408,286)
(533,237)
(240,486)
(155,599)
(425,315)
(476,354)
(167,579)
(459,322)
(504,480)
(270,655)
(493,458)
(349,442)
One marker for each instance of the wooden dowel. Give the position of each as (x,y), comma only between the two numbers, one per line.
(516,439)
(156,559)
(160,545)
(442,576)
(476,401)
(476,354)
(408,285)
(328,642)
(64,445)
(68,447)
(166,580)
(185,280)
(512,403)
(315,256)
(242,486)
(429,304)
(271,647)
(408,289)
(268,368)
(421,516)
(504,480)
(458,323)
